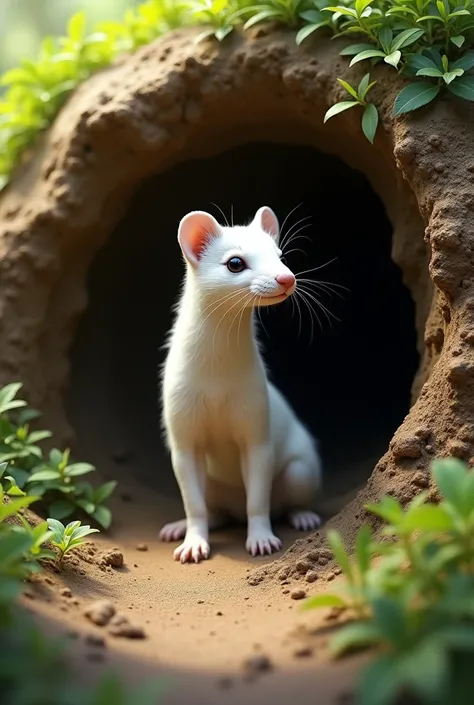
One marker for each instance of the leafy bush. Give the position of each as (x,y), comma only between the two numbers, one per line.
(421,39)
(25,650)
(54,479)
(416,602)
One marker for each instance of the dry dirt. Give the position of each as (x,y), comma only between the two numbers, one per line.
(171,102)
(202,628)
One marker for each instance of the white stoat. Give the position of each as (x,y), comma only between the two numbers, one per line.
(237,447)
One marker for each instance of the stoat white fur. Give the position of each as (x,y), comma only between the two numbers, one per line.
(237,447)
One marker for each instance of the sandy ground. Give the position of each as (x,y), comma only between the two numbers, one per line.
(202,628)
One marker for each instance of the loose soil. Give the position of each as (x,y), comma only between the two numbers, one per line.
(169,103)
(202,628)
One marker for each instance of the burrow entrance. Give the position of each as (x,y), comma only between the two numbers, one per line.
(349,377)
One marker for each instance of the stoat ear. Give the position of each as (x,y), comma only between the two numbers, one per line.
(268,221)
(195,231)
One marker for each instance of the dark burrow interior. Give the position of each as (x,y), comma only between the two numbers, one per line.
(348,377)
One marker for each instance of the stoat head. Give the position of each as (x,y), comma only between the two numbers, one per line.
(244,259)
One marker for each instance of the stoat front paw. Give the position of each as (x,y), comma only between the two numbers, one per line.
(304,520)
(262,542)
(193,549)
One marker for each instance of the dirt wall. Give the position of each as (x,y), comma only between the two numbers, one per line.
(173,101)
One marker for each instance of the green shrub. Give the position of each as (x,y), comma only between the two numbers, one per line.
(416,601)
(426,41)
(54,480)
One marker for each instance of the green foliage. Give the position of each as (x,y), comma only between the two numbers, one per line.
(416,601)
(54,480)
(421,39)
(370,116)
(25,651)
(418,38)
(66,538)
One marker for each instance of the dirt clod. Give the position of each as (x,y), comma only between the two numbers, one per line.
(112,557)
(142,547)
(298,594)
(100,612)
(257,663)
(95,640)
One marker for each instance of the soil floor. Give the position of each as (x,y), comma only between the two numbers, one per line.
(202,628)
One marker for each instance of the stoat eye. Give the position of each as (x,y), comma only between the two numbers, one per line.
(236,265)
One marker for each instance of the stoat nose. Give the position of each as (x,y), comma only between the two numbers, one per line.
(286,280)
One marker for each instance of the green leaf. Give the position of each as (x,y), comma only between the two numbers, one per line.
(419,61)
(449,76)
(104,491)
(37,436)
(364,86)
(414,96)
(385,38)
(206,34)
(360,5)
(368,54)
(432,72)
(327,600)
(313,16)
(103,516)
(354,49)
(393,58)
(363,542)
(459,13)
(13,546)
(449,474)
(390,619)
(352,91)
(14,506)
(44,475)
(426,669)
(79,469)
(428,517)
(55,457)
(405,38)
(339,108)
(61,509)
(370,120)
(340,553)
(86,505)
(343,10)
(388,508)
(380,682)
(77,26)
(463,87)
(458,41)
(9,392)
(306,31)
(354,636)
(466,62)
(222,32)
(261,17)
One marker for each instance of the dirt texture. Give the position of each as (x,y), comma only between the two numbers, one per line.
(171,102)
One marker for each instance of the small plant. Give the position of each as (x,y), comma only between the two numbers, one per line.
(55,480)
(417,600)
(220,15)
(370,116)
(66,538)
(286,12)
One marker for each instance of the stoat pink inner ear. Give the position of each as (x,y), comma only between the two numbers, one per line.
(268,221)
(195,231)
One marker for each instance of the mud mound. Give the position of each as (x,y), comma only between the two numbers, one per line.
(169,104)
